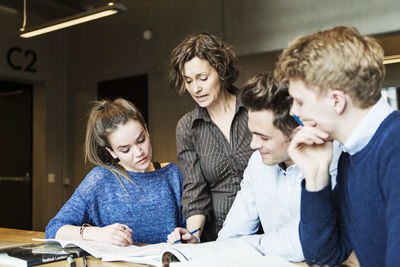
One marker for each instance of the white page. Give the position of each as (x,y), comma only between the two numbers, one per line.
(264,261)
(151,251)
(149,259)
(221,249)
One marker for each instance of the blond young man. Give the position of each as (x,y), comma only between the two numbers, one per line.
(335,78)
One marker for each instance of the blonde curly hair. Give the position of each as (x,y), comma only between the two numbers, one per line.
(339,58)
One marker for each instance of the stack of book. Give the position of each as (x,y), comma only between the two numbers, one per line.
(31,255)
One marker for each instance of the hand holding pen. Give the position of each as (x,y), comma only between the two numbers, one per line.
(311,150)
(183,235)
(298,120)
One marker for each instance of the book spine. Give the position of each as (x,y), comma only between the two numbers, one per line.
(50,259)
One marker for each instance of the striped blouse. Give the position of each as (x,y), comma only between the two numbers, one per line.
(212,168)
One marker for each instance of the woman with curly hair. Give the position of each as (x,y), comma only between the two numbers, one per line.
(213,139)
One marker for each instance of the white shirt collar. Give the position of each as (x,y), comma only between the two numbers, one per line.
(364,131)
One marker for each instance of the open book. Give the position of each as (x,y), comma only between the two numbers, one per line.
(229,252)
(264,261)
(97,249)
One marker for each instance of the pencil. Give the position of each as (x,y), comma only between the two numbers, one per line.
(84,260)
(71,261)
(192,232)
(298,120)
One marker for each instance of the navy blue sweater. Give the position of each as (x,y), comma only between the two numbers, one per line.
(363,211)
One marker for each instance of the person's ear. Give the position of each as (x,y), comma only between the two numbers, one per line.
(338,100)
(111,153)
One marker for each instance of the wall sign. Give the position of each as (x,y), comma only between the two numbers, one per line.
(23,60)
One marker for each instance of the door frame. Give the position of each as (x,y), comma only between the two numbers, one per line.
(39,163)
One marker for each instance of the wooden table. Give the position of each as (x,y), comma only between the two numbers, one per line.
(14,236)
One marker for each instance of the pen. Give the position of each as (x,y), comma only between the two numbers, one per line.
(192,232)
(84,260)
(71,261)
(298,120)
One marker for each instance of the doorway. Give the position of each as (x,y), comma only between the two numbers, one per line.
(16,155)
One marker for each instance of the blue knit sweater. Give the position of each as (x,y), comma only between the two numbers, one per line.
(152,209)
(363,212)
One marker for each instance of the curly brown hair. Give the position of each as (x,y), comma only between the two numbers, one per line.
(206,46)
(339,58)
(264,92)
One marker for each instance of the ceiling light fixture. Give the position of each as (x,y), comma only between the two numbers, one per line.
(93,14)
(391,59)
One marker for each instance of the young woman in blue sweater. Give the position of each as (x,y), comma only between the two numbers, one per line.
(126,198)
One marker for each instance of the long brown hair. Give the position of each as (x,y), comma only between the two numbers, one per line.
(104,118)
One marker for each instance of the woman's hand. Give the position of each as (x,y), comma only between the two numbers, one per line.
(118,234)
(182,234)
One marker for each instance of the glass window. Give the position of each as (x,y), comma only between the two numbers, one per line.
(391,94)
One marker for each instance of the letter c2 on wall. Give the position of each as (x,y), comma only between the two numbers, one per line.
(16,57)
